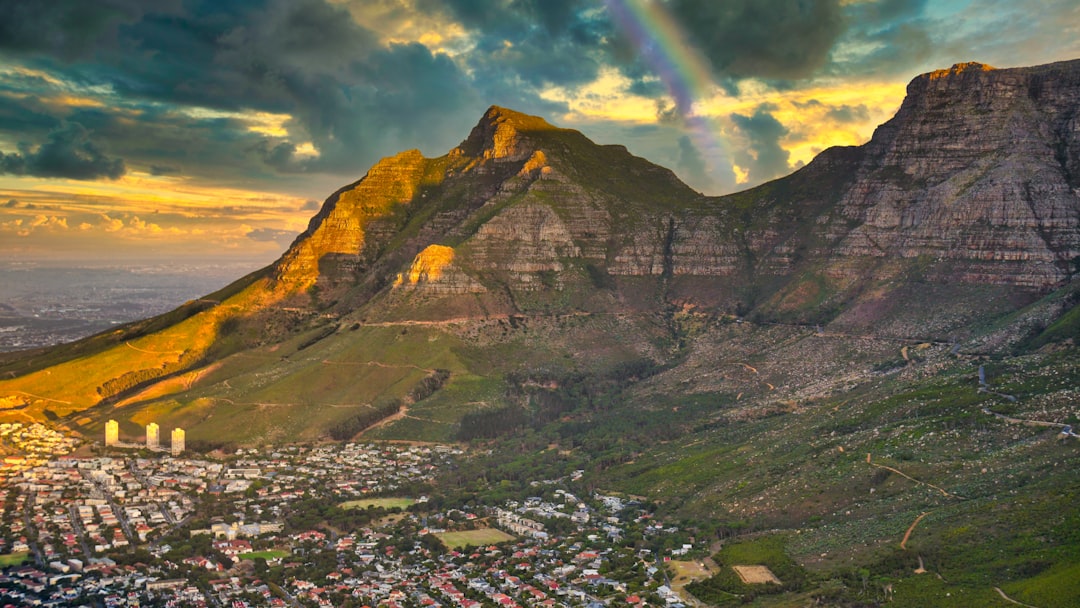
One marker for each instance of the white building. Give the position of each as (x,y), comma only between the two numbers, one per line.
(153,438)
(112,432)
(177,441)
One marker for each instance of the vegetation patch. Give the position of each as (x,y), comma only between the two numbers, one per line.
(1057,587)
(14,559)
(378,503)
(267,555)
(474,538)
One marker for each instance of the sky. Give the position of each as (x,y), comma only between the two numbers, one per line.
(168,129)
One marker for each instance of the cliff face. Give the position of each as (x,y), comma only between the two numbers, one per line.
(978,171)
(342,229)
(975,181)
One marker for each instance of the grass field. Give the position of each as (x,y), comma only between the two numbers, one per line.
(381,503)
(267,555)
(686,572)
(476,538)
(13,559)
(755,575)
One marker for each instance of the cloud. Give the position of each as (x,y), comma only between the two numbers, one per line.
(281,237)
(111,224)
(765,39)
(159,170)
(68,28)
(304,95)
(847,114)
(176,81)
(692,165)
(49,222)
(68,153)
(26,226)
(522,47)
(763,157)
(885,38)
(11,204)
(137,226)
(311,206)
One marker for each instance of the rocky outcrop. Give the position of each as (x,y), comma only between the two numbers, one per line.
(433,272)
(523,242)
(340,229)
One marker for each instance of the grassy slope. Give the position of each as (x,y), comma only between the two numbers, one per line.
(72,384)
(1009,519)
(760,429)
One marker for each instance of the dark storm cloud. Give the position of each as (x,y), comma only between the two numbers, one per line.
(24,115)
(352,97)
(767,39)
(157,65)
(69,28)
(646,88)
(897,32)
(69,153)
(163,170)
(531,43)
(762,156)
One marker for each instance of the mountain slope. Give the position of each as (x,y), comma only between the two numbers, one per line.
(530,249)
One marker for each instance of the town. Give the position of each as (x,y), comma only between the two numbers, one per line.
(348,524)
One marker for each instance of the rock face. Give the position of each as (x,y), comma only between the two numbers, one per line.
(975,182)
(341,230)
(433,272)
(978,171)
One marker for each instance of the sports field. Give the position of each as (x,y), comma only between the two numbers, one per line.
(476,538)
(13,559)
(267,555)
(382,503)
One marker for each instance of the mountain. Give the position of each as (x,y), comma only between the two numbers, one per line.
(886,336)
(528,247)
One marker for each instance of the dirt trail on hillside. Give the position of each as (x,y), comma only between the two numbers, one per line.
(380,364)
(1023,421)
(153,352)
(943,491)
(42,398)
(907,535)
(1009,599)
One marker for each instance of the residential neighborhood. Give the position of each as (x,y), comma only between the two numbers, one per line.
(309,525)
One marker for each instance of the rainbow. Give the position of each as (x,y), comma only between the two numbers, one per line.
(684,71)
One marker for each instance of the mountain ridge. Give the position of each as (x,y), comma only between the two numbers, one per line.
(966,194)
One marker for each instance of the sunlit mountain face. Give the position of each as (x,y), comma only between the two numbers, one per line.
(48,302)
(139,131)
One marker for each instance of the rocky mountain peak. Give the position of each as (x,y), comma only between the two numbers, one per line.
(961,68)
(503,135)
